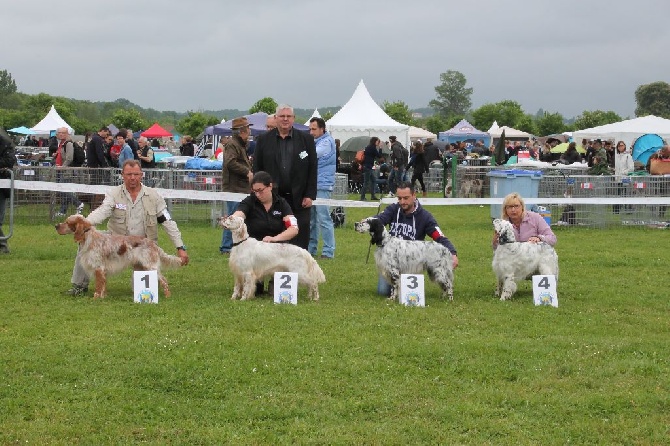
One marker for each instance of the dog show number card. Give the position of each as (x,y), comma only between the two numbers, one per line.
(145,287)
(544,290)
(411,290)
(286,288)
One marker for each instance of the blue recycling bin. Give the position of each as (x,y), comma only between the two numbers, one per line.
(503,182)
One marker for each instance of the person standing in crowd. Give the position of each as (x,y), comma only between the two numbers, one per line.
(420,166)
(528,226)
(326,154)
(64,157)
(130,140)
(132,209)
(95,150)
(623,165)
(371,153)
(7,162)
(408,220)
(236,173)
(399,159)
(187,148)
(126,152)
(571,155)
(145,153)
(289,156)
(271,122)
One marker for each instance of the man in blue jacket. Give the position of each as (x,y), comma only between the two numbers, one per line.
(326,155)
(408,220)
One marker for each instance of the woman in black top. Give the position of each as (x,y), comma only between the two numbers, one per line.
(268,216)
(420,166)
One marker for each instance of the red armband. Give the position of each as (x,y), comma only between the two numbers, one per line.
(292,221)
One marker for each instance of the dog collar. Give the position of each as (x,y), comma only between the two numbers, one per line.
(240,242)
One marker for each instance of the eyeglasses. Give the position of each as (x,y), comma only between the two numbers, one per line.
(513,206)
(259,191)
(284,116)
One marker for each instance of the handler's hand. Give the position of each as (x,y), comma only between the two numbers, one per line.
(307,202)
(454,261)
(534,240)
(268,239)
(183,255)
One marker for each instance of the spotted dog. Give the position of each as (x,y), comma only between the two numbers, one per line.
(515,261)
(395,256)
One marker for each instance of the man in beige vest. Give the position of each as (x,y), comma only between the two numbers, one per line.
(132,209)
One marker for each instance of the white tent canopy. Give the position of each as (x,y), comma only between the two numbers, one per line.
(50,123)
(493,128)
(361,116)
(315,114)
(419,133)
(627,131)
(509,133)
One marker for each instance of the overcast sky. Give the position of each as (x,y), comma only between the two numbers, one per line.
(563,56)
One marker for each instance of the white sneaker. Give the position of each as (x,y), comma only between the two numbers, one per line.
(390,195)
(80,208)
(59,214)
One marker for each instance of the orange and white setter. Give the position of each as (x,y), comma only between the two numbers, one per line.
(102,253)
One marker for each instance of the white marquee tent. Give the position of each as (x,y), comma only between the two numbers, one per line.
(627,131)
(315,114)
(50,123)
(361,116)
(510,133)
(419,133)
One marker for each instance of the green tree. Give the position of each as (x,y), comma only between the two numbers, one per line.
(525,123)
(505,112)
(195,122)
(453,98)
(595,118)
(549,124)
(399,111)
(435,124)
(7,84)
(267,105)
(129,118)
(653,99)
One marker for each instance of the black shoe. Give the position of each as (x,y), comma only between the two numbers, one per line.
(259,289)
(362,199)
(77,290)
(375,198)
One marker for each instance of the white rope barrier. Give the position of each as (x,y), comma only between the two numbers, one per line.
(200,195)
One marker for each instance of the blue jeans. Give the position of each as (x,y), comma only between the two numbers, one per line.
(320,220)
(383,287)
(395,177)
(227,237)
(369,181)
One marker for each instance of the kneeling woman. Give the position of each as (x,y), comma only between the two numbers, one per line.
(268,216)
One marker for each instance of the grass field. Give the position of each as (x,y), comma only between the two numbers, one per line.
(353,368)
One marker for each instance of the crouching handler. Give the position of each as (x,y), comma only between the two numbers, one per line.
(408,220)
(132,209)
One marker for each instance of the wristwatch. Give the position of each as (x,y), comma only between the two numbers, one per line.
(182,247)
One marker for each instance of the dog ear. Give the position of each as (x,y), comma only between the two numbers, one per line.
(80,228)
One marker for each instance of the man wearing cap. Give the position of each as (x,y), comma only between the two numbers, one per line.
(237,172)
(289,156)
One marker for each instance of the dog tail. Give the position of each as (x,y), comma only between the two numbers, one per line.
(317,272)
(169,261)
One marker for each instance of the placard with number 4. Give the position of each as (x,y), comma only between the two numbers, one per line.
(544,290)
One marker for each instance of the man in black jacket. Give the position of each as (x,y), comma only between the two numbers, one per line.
(289,156)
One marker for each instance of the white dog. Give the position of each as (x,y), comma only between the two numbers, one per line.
(395,256)
(252,260)
(515,261)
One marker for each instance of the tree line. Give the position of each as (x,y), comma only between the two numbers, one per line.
(451,104)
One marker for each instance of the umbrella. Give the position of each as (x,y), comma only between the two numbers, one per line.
(561,148)
(355,144)
(23,130)
(499,152)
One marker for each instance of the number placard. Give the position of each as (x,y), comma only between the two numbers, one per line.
(544,290)
(411,290)
(145,287)
(286,288)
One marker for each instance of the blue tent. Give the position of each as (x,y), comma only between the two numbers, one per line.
(645,146)
(464,131)
(258,125)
